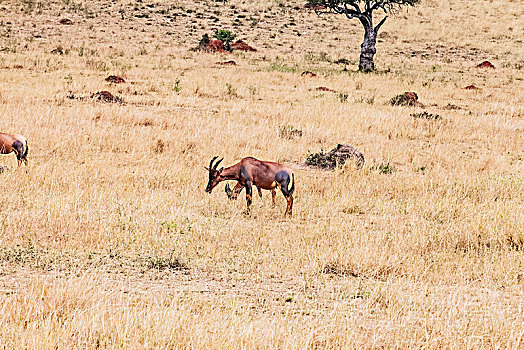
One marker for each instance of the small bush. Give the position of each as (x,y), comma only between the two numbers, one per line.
(176,87)
(337,156)
(405,99)
(204,41)
(279,66)
(231,91)
(426,115)
(344,62)
(289,132)
(159,147)
(226,37)
(343,97)
(321,160)
(159,263)
(385,168)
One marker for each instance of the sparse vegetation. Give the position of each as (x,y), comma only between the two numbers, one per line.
(406,99)
(385,168)
(426,115)
(226,37)
(289,132)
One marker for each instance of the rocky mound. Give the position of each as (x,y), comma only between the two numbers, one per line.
(486,64)
(115,79)
(323,88)
(337,156)
(406,99)
(66,21)
(106,96)
(242,46)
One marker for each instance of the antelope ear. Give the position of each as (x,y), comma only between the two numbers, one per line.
(221,169)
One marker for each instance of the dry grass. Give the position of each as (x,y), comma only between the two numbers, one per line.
(109,241)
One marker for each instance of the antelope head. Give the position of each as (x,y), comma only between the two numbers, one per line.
(214,174)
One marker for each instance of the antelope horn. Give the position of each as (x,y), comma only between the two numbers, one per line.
(211,163)
(216,164)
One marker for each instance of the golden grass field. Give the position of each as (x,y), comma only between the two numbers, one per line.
(108,240)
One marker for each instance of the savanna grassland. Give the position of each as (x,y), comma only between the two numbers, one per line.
(108,240)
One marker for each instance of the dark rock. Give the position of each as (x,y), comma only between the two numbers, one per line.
(308,74)
(66,21)
(58,51)
(227,63)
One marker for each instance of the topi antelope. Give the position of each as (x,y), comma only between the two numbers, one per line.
(14,143)
(251,172)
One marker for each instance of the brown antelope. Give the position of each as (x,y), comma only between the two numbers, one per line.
(251,172)
(14,143)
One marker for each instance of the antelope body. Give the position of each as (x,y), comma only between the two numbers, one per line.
(14,143)
(251,172)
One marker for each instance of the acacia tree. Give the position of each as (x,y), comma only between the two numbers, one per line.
(363,11)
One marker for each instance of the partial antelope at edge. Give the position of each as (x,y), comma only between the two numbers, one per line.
(14,143)
(251,172)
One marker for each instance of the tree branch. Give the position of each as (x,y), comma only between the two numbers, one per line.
(351,13)
(354,5)
(380,24)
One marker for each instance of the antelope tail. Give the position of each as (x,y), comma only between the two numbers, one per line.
(26,149)
(292,189)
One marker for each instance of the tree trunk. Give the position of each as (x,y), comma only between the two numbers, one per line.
(368,49)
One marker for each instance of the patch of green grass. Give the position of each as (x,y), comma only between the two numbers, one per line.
(385,168)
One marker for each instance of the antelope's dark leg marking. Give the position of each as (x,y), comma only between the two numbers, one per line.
(283,179)
(249,188)
(273,195)
(249,196)
(259,191)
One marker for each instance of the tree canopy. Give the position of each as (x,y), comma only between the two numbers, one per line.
(354,9)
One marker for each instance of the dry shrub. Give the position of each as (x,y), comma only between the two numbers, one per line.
(372,270)
(289,132)
(159,146)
